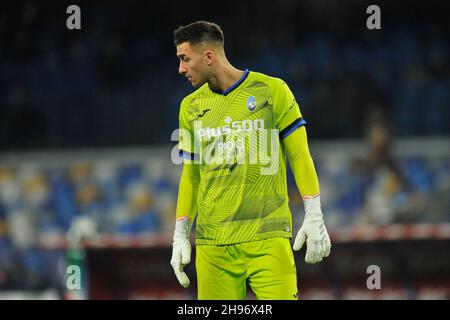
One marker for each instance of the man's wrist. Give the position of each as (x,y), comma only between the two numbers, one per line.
(312,205)
(182,228)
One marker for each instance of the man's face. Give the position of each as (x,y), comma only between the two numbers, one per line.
(192,63)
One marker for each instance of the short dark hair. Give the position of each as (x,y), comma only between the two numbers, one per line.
(197,32)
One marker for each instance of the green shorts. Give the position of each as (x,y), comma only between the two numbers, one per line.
(268,266)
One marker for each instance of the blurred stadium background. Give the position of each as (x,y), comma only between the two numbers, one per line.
(86,118)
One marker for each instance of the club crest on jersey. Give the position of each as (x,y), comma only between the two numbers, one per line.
(251,103)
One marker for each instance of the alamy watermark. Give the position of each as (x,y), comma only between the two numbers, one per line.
(374,280)
(74,20)
(73,277)
(236,142)
(374,20)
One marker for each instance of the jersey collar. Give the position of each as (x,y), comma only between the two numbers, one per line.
(234,86)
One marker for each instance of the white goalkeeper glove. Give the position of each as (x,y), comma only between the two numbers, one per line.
(313,230)
(181,250)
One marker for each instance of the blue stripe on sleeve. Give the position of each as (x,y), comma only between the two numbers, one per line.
(292,127)
(187,155)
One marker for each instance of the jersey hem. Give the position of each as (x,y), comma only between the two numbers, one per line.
(268,235)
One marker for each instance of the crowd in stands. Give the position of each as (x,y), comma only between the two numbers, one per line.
(113,198)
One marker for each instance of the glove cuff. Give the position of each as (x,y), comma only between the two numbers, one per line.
(312,206)
(182,228)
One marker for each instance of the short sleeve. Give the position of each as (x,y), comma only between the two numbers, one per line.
(287,111)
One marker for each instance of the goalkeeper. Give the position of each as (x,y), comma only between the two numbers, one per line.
(244,224)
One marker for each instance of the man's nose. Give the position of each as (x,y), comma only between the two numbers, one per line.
(182,69)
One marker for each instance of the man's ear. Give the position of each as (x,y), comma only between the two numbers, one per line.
(210,57)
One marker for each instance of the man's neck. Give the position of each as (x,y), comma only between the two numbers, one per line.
(225,77)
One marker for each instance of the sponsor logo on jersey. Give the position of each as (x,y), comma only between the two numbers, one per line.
(232,127)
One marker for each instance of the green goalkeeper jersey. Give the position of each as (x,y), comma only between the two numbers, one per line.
(235,140)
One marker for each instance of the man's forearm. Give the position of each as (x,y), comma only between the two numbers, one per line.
(302,164)
(187,192)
